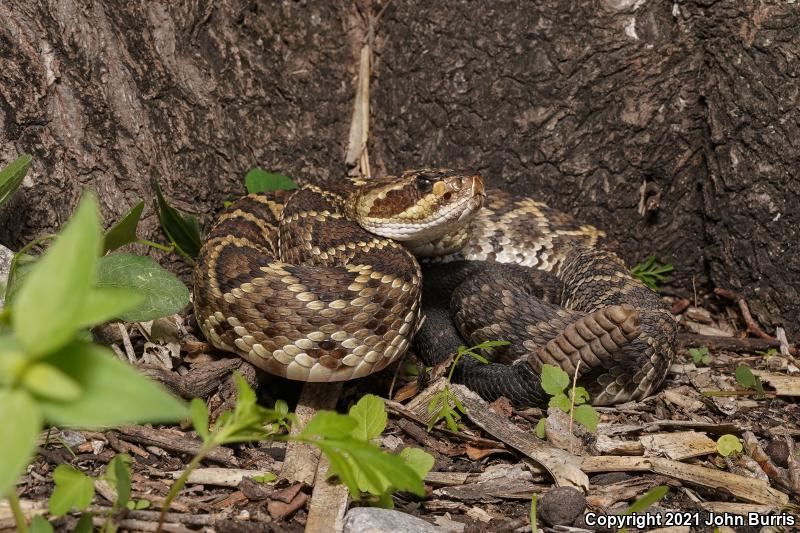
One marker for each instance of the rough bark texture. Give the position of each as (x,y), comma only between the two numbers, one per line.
(688,109)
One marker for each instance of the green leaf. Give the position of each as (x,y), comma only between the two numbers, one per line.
(48,305)
(728,444)
(419,460)
(163,293)
(700,355)
(268,477)
(581,395)
(561,401)
(124,231)
(329,424)
(651,497)
(370,413)
(554,380)
(114,393)
(258,180)
(22,420)
(534,523)
(198,411)
(46,381)
(84,525)
(73,489)
(39,524)
(105,303)
(12,175)
(183,231)
(586,415)
(650,274)
(745,376)
(541,431)
(118,473)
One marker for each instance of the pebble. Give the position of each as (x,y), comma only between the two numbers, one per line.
(561,506)
(374,520)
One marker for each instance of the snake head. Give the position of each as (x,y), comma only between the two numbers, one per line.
(418,205)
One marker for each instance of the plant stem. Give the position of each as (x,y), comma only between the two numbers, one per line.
(16,508)
(157,246)
(209,445)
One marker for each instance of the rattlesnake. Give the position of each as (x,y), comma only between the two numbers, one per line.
(321,285)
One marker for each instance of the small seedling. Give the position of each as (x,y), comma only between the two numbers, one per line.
(728,445)
(649,498)
(748,380)
(700,356)
(651,273)
(439,407)
(766,354)
(534,523)
(182,231)
(554,382)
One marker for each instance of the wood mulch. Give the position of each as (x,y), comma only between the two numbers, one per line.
(484,475)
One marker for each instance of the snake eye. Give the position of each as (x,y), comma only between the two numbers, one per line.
(424,185)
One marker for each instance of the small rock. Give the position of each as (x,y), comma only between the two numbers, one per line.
(374,520)
(561,506)
(778,451)
(698,314)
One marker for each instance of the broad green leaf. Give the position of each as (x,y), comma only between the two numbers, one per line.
(651,497)
(581,395)
(13,361)
(258,180)
(114,393)
(728,444)
(105,303)
(340,466)
(198,411)
(12,175)
(371,416)
(541,430)
(84,525)
(183,231)
(124,231)
(561,401)
(118,473)
(419,460)
(267,477)
(554,380)
(586,415)
(745,377)
(73,489)
(48,305)
(21,419)
(163,293)
(372,459)
(46,381)
(329,424)
(39,524)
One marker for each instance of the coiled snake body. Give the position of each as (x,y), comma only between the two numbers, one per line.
(315,285)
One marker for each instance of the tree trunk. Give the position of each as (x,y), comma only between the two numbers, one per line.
(672,125)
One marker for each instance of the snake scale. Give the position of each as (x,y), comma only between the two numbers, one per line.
(333,284)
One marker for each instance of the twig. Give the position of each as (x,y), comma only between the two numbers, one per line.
(752,326)
(733,344)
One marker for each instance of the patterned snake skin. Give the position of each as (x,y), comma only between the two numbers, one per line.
(313,285)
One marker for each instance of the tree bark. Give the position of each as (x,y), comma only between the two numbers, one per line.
(671,125)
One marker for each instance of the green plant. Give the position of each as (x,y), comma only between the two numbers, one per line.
(534,523)
(12,175)
(258,180)
(766,354)
(554,382)
(344,439)
(49,373)
(439,407)
(700,356)
(729,444)
(652,273)
(748,380)
(649,498)
(182,231)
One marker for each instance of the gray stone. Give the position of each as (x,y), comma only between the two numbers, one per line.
(374,520)
(561,506)
(6,256)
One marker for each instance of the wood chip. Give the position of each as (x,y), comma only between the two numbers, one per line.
(679,445)
(784,385)
(747,489)
(220,477)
